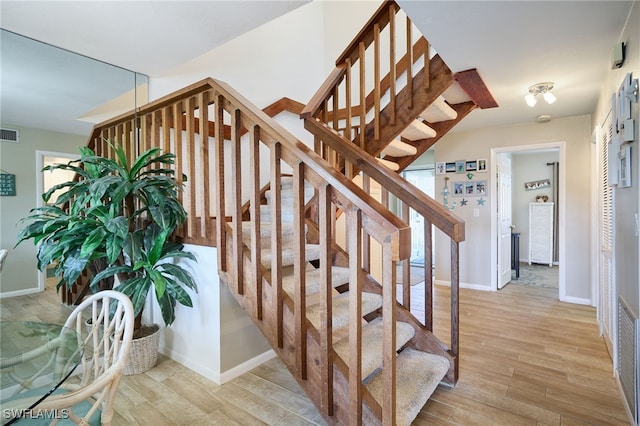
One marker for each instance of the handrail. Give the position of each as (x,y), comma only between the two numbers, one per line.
(208,120)
(443,219)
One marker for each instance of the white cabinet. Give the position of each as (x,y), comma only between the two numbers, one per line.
(541,233)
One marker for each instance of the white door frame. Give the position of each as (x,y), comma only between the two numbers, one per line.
(40,155)
(561,146)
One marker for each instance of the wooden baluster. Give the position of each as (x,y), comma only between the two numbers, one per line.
(426,82)
(155,131)
(336,109)
(388,335)
(363,94)
(406,267)
(236,198)
(128,141)
(455,303)
(299,271)
(326,289)
(166,130)
(191,160)
(145,129)
(428,275)
(366,243)
(392,65)
(354,236)
(221,232)
(347,98)
(410,63)
(177,126)
(376,80)
(256,243)
(276,240)
(205,194)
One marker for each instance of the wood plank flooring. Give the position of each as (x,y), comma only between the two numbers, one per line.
(526,359)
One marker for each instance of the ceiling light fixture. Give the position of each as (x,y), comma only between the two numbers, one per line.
(540,88)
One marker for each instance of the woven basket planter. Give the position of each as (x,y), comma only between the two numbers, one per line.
(143,353)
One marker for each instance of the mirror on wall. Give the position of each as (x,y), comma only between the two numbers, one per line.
(50,100)
(45,87)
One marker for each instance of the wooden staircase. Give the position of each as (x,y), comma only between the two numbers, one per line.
(299,235)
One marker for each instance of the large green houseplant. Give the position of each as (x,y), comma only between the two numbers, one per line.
(116,219)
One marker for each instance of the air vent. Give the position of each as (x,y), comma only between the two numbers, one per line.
(9,135)
(628,362)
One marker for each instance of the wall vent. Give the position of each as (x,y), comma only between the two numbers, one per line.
(628,353)
(9,135)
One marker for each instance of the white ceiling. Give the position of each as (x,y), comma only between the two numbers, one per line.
(512,44)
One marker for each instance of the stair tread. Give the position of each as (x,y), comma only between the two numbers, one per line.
(389,164)
(372,344)
(439,111)
(370,302)
(418,376)
(287,253)
(339,276)
(397,148)
(418,130)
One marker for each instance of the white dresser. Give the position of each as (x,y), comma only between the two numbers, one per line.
(541,233)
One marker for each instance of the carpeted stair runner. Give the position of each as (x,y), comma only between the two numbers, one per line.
(372,349)
(418,373)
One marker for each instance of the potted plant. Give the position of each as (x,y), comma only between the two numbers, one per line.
(116,220)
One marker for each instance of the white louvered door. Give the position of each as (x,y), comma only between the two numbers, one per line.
(607,302)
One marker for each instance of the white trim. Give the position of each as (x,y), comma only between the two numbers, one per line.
(561,146)
(577,300)
(23,292)
(214,374)
(40,154)
(463,285)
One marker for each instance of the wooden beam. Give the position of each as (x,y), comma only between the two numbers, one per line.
(474,86)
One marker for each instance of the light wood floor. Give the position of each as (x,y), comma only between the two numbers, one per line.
(526,359)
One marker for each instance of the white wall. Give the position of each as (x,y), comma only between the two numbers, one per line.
(475,251)
(215,337)
(19,274)
(627,200)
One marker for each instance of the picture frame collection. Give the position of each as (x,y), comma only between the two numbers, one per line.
(461,166)
(465,188)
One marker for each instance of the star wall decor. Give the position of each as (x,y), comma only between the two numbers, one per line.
(481,201)
(463,202)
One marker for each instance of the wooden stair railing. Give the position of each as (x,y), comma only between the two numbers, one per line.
(344,157)
(212,129)
(372,110)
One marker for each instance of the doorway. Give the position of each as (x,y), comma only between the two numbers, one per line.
(424,179)
(518,193)
(44,182)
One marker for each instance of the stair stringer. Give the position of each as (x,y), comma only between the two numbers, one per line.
(409,106)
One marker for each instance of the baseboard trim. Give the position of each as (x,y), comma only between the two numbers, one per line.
(246,366)
(19,292)
(627,409)
(576,300)
(463,285)
(215,375)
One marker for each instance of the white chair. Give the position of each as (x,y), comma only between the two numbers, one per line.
(89,396)
(3,256)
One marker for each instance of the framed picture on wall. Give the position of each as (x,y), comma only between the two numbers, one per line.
(441,168)
(460,166)
(481,187)
(458,189)
(482,165)
(450,167)
(471,166)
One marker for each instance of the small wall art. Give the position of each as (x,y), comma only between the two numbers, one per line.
(537,184)
(441,168)
(470,188)
(460,166)
(450,167)
(482,165)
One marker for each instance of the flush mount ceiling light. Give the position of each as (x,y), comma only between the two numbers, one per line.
(543,89)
